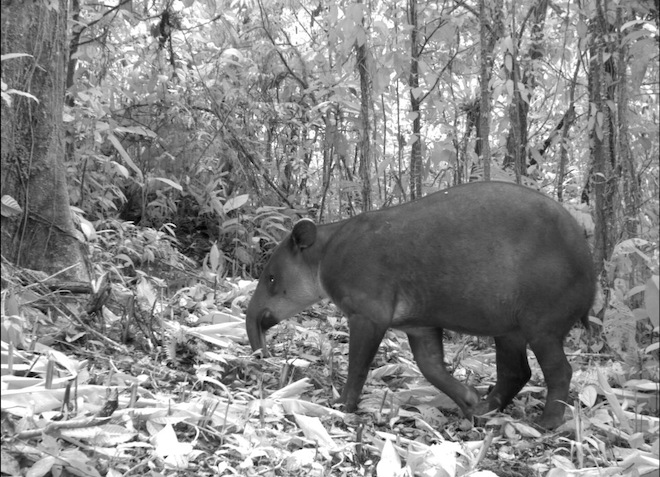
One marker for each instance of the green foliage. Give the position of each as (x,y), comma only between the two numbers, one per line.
(631,315)
(124,248)
(262,99)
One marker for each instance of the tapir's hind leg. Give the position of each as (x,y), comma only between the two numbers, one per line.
(549,351)
(512,372)
(427,348)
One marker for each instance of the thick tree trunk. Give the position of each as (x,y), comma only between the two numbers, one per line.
(43,237)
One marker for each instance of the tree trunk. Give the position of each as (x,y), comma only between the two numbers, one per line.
(630,184)
(567,121)
(516,150)
(43,237)
(490,29)
(365,136)
(516,143)
(415,99)
(604,178)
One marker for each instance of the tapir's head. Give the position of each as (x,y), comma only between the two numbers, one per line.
(288,284)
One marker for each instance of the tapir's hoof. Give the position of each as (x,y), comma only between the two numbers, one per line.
(550,422)
(471,402)
(345,406)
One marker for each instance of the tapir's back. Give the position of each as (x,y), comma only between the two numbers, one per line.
(486,251)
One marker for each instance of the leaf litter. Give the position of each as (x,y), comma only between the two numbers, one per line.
(184,395)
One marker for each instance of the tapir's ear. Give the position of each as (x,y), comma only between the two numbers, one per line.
(304,234)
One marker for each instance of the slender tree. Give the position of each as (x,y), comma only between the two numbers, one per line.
(604,177)
(415,101)
(629,176)
(566,122)
(490,28)
(365,123)
(523,71)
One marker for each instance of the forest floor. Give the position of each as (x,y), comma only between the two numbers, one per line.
(146,384)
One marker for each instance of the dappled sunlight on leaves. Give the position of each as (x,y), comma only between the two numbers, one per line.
(202,401)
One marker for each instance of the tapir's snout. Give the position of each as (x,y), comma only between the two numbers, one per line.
(257,321)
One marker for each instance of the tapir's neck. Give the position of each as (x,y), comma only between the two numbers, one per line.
(316,252)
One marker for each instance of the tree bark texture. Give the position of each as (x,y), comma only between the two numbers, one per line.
(604,179)
(43,237)
(624,153)
(567,121)
(523,72)
(490,30)
(415,100)
(365,128)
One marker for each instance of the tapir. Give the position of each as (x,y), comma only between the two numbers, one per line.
(486,258)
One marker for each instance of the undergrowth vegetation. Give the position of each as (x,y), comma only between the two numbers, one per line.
(153,375)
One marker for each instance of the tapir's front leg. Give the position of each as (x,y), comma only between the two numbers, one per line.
(364,339)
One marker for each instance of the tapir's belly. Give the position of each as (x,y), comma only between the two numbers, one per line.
(420,306)
(473,320)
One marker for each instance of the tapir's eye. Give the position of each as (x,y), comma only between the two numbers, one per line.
(270,284)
